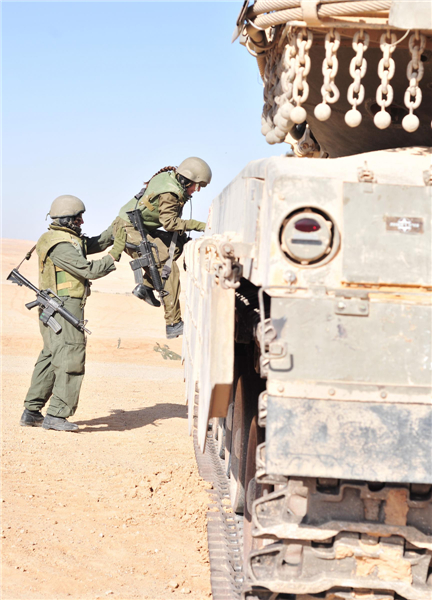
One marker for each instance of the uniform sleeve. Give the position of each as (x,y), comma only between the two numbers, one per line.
(100,242)
(169,209)
(68,258)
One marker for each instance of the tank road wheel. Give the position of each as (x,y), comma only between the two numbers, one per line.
(228,437)
(249,386)
(253,490)
(238,448)
(218,425)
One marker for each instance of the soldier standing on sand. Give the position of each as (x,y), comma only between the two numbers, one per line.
(161,203)
(64,268)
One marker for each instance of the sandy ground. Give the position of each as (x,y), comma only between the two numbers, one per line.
(116,510)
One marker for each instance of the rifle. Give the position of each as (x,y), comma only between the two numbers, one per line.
(50,306)
(146,259)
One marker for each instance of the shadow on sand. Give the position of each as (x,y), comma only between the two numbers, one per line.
(125,420)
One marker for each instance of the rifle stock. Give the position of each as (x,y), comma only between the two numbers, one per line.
(50,305)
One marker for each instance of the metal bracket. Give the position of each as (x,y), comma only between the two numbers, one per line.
(261,476)
(262,409)
(365,175)
(310,13)
(223,263)
(354,307)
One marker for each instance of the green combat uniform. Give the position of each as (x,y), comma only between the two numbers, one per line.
(64,268)
(162,206)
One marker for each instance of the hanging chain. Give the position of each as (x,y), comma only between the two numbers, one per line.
(357,70)
(282,120)
(415,71)
(303,64)
(289,64)
(270,85)
(329,90)
(386,70)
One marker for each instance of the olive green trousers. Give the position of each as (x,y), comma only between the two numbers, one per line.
(59,369)
(162,239)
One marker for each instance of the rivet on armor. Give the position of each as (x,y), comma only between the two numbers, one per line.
(290,276)
(331,392)
(280,388)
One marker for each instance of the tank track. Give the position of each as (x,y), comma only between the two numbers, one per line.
(331,555)
(330,540)
(224,527)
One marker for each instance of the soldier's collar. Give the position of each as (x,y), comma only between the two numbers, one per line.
(66,229)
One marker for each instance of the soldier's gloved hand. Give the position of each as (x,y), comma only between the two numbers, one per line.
(196,225)
(119,244)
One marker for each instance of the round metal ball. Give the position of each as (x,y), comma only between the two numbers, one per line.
(265,128)
(271,138)
(286,109)
(279,134)
(282,123)
(322,111)
(353,118)
(410,123)
(382,119)
(298,115)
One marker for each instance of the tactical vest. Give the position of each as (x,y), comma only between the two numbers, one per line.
(149,203)
(59,281)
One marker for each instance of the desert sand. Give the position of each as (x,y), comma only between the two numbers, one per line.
(116,510)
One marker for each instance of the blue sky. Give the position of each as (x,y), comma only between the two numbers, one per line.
(98,96)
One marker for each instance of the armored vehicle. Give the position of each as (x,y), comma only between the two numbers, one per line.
(307,343)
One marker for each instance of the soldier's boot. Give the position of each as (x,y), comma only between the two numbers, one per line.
(145,293)
(58,423)
(31,418)
(174,331)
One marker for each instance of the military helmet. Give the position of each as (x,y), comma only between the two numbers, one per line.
(66,206)
(196,170)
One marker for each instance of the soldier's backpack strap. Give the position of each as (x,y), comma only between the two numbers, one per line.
(166,271)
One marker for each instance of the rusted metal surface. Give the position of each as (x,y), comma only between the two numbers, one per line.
(358,440)
(344,506)
(303,567)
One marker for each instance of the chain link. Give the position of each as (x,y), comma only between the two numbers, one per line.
(270,84)
(386,70)
(329,90)
(302,66)
(304,40)
(357,70)
(415,71)
(288,65)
